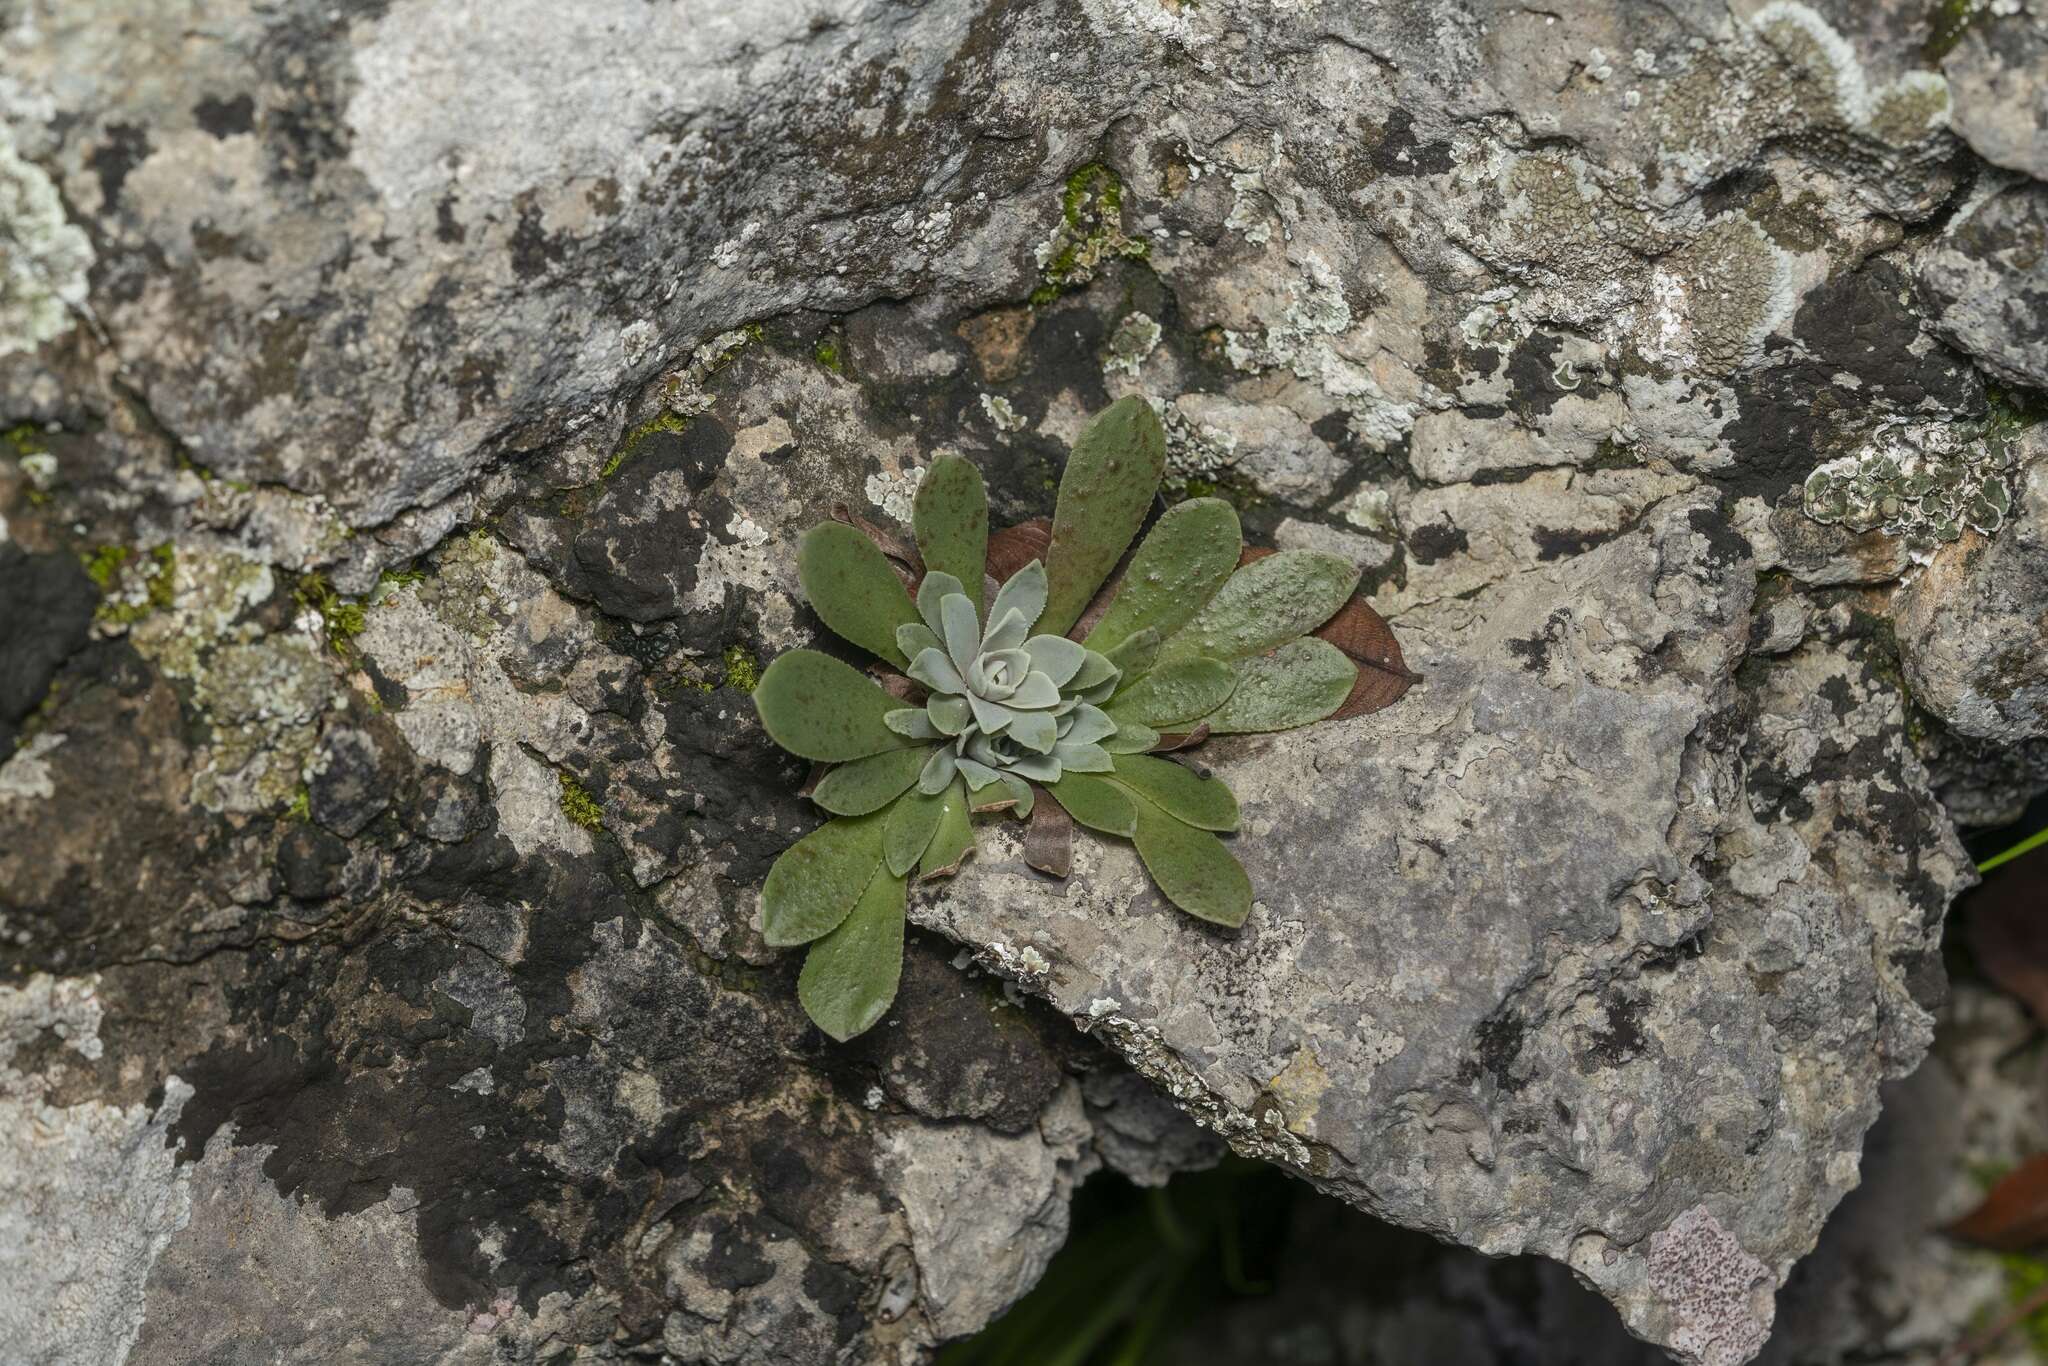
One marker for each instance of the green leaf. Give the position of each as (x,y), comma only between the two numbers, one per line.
(849,977)
(1181,792)
(953,841)
(1184,559)
(1132,737)
(1097,803)
(1266,603)
(950,520)
(853,589)
(816,881)
(1173,693)
(818,708)
(908,830)
(1302,681)
(869,784)
(1192,868)
(1110,480)
(1135,655)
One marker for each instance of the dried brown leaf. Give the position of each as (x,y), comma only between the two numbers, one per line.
(1010,549)
(893,542)
(2014,1214)
(1186,739)
(895,684)
(1049,836)
(1365,636)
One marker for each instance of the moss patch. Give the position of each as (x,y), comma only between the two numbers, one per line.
(578,805)
(1947,22)
(2024,1276)
(344,618)
(664,421)
(156,591)
(1091,233)
(103,563)
(742,670)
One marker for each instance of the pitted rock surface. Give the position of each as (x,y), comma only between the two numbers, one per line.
(428,396)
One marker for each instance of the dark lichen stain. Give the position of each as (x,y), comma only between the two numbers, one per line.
(1497,1044)
(1792,413)
(533,249)
(226,118)
(1534,651)
(50,600)
(1563,543)
(1621,1040)
(1726,547)
(1437,541)
(1398,152)
(1532,374)
(125,148)
(446,228)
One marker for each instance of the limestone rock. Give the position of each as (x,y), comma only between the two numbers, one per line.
(1998,86)
(1987,282)
(430,392)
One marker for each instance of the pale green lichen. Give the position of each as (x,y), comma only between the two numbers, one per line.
(43,257)
(1135,338)
(1921,483)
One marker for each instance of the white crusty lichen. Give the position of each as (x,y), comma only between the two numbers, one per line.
(1135,339)
(1002,415)
(43,257)
(893,491)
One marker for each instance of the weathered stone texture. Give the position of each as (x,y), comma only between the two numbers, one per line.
(406,413)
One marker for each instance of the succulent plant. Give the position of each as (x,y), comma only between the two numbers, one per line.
(991,696)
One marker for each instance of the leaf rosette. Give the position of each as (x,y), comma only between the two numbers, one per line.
(1045,683)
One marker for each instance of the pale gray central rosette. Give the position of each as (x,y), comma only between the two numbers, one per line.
(1017,708)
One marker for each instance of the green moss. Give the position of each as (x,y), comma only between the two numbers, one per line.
(742,670)
(159,583)
(1239,492)
(344,617)
(1091,232)
(578,805)
(104,562)
(23,439)
(2012,411)
(1947,22)
(37,721)
(301,808)
(664,421)
(2024,1277)
(828,354)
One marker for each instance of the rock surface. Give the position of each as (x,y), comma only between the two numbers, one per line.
(401,443)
